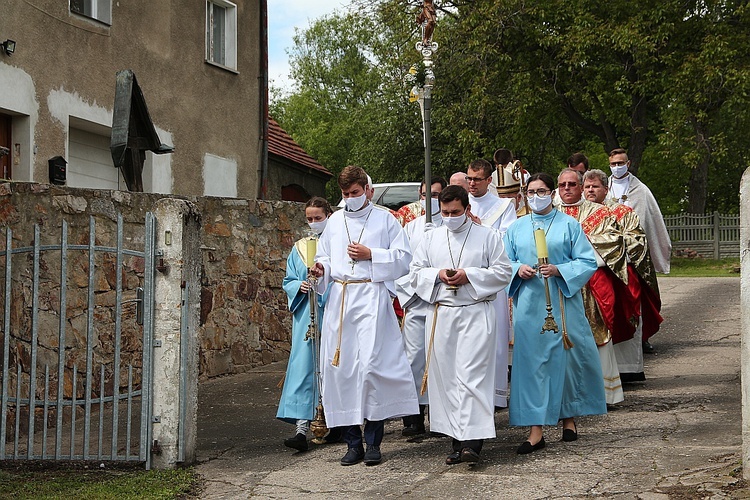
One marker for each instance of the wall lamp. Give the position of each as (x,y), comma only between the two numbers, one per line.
(8,46)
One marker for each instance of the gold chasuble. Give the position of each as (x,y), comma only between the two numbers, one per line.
(602,230)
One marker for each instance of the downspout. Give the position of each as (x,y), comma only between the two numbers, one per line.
(263,94)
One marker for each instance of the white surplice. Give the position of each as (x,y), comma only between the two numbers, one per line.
(462,358)
(638,196)
(499,214)
(373,380)
(415,309)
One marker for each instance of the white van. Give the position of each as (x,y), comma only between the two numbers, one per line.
(393,195)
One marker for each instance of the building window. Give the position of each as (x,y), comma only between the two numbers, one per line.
(101,10)
(221,33)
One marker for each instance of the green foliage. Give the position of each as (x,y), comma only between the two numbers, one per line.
(96,484)
(667,79)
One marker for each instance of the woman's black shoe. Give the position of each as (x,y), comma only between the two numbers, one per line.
(569,435)
(526,447)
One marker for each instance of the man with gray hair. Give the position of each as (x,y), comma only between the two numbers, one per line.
(641,272)
(609,305)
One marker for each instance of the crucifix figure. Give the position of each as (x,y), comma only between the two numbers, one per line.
(428,17)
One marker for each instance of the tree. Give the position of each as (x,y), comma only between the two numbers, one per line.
(350,106)
(666,79)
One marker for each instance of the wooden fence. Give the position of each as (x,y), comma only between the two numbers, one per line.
(711,235)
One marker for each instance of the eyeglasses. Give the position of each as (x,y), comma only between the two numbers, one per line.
(618,164)
(476,179)
(538,192)
(567,184)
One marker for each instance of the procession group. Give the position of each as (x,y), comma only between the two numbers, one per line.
(418,323)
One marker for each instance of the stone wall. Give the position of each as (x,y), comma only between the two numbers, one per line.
(244,243)
(244,317)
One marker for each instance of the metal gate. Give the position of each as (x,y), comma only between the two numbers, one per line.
(77,335)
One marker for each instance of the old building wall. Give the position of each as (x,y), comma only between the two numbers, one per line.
(64,69)
(244,320)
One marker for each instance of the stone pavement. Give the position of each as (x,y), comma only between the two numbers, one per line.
(677,435)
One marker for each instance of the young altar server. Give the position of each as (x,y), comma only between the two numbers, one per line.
(460,268)
(366,375)
(299,396)
(416,309)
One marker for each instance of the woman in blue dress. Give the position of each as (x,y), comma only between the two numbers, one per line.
(299,396)
(551,381)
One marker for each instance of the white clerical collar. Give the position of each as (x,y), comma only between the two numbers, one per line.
(362,212)
(481,198)
(576,204)
(624,180)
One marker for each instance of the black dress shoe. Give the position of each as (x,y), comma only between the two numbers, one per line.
(470,456)
(454,458)
(569,435)
(413,430)
(372,455)
(527,447)
(353,456)
(298,442)
(647,347)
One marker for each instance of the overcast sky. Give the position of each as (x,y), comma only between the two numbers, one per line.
(283,17)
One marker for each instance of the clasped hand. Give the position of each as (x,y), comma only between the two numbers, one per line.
(317,270)
(547,270)
(357,251)
(457,279)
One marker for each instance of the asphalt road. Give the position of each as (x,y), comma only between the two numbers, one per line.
(676,435)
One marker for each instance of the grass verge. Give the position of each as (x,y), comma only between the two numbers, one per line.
(27,480)
(692,268)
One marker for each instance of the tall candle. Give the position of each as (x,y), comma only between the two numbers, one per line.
(312,248)
(541,244)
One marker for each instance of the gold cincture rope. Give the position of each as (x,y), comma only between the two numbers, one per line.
(567,343)
(337,354)
(429,351)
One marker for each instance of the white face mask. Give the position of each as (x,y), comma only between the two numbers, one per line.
(455,223)
(539,203)
(619,170)
(355,203)
(317,227)
(434,205)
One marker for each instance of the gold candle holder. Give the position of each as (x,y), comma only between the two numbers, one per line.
(543,258)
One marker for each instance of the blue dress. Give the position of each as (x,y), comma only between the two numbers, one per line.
(300,394)
(550,382)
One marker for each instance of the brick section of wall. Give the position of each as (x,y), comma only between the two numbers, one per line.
(244,243)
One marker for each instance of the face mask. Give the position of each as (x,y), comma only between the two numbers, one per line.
(354,204)
(434,205)
(454,223)
(317,227)
(539,203)
(619,170)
